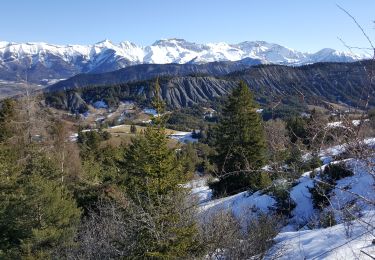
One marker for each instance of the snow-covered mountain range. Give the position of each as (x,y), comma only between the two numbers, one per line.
(45,62)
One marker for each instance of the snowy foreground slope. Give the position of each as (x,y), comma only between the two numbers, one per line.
(328,243)
(301,237)
(342,241)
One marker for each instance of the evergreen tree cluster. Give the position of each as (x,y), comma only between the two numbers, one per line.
(38,213)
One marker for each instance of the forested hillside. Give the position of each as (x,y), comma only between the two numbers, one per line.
(341,83)
(239,187)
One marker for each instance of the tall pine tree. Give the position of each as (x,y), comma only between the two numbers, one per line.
(151,168)
(240,144)
(152,178)
(37,214)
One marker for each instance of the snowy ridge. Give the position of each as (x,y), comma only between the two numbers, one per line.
(88,58)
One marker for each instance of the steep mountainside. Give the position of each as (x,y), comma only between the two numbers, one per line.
(335,82)
(176,91)
(150,71)
(43,63)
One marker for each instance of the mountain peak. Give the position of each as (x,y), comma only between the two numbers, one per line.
(61,61)
(169,42)
(3,44)
(105,43)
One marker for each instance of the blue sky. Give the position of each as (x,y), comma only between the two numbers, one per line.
(306,25)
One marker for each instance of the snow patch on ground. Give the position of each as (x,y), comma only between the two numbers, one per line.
(361,184)
(200,190)
(343,124)
(326,155)
(327,243)
(100,104)
(183,137)
(150,111)
(301,195)
(333,242)
(241,204)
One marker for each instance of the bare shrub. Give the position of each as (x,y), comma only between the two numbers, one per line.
(104,234)
(220,233)
(277,140)
(225,238)
(128,229)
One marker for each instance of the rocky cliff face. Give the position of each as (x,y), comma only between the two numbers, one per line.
(188,91)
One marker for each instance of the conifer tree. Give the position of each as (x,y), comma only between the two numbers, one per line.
(240,144)
(151,167)
(153,178)
(37,214)
(133,129)
(297,129)
(7,114)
